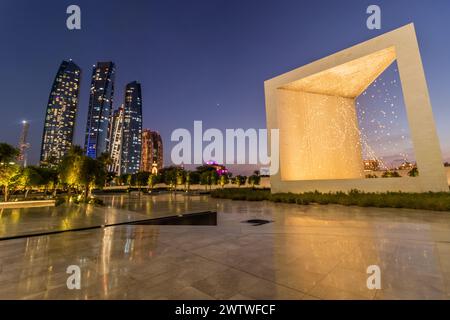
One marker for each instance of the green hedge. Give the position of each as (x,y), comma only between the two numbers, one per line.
(425,201)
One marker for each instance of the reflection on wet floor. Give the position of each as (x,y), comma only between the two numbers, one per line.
(117,209)
(313,252)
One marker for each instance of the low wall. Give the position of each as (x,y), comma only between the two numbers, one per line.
(27,204)
(448,174)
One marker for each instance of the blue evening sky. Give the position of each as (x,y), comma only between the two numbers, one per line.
(197,59)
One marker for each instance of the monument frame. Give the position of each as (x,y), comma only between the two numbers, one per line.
(432,176)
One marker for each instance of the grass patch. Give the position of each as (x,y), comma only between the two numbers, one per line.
(439,201)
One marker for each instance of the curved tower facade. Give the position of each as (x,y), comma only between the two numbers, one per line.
(100,109)
(61,113)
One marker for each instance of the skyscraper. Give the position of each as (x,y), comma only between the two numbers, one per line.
(61,113)
(152,151)
(23,144)
(100,109)
(116,139)
(132,129)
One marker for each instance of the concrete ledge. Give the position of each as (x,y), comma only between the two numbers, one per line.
(27,204)
(448,174)
(336,75)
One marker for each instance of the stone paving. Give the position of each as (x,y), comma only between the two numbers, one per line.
(307,252)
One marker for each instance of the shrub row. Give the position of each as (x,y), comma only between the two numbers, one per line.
(425,201)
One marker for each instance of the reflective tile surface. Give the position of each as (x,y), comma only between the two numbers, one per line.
(308,252)
(117,209)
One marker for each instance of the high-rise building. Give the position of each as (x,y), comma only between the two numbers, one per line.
(61,113)
(116,132)
(152,151)
(100,109)
(132,129)
(23,144)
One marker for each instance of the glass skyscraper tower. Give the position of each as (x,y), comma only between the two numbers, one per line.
(116,133)
(100,109)
(61,112)
(132,129)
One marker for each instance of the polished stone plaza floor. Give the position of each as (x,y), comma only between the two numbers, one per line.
(117,209)
(306,252)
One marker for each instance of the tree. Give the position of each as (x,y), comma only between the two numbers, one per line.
(77,170)
(191,178)
(110,177)
(170,176)
(8,153)
(390,174)
(30,177)
(9,170)
(194,177)
(132,180)
(124,179)
(152,181)
(205,179)
(214,178)
(414,172)
(204,168)
(142,179)
(254,179)
(49,177)
(69,168)
(107,161)
(180,176)
(91,173)
(240,180)
(224,180)
(187,181)
(9,177)
(208,178)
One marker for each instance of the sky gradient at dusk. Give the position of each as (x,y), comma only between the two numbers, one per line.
(196,60)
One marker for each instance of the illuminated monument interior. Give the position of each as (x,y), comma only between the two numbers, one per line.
(318,114)
(314,109)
